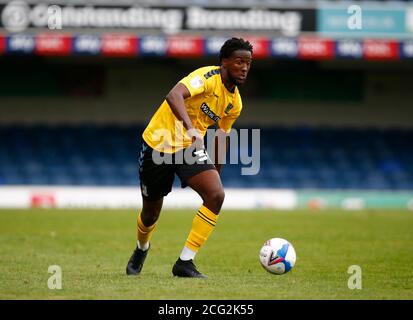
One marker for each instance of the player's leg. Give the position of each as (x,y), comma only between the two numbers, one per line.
(208,185)
(146,223)
(156,182)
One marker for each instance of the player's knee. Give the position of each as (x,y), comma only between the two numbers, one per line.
(216,199)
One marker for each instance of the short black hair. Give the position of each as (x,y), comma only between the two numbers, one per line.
(232,45)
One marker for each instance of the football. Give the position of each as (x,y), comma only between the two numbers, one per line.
(277,256)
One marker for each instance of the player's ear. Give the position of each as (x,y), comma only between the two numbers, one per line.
(224,62)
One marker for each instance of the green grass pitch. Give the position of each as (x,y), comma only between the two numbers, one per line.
(93,246)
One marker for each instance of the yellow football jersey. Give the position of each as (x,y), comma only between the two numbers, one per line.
(210,103)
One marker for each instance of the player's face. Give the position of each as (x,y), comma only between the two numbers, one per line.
(238,66)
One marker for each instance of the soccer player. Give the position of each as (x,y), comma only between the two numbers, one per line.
(207,96)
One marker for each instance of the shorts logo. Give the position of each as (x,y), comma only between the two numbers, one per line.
(205,109)
(228,108)
(202,155)
(144,190)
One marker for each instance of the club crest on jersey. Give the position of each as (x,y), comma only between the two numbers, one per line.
(205,109)
(228,108)
(196,82)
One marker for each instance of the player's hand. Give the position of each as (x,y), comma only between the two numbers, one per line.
(196,138)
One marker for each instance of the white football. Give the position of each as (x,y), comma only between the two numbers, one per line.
(277,256)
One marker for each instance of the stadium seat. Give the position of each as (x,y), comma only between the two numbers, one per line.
(301,157)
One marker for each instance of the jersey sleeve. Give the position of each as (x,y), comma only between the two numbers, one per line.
(227,121)
(196,83)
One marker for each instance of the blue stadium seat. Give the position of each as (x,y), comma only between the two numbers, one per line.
(301,157)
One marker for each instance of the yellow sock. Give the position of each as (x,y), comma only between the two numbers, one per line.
(144,232)
(202,226)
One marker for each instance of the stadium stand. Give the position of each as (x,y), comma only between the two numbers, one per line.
(300,157)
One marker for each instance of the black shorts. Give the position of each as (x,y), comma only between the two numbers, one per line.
(157,177)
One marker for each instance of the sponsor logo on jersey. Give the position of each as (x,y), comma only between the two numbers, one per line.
(205,109)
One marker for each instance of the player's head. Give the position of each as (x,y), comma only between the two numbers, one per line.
(236,57)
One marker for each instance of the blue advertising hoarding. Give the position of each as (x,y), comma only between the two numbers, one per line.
(349,49)
(87,45)
(20,44)
(153,46)
(407,49)
(284,48)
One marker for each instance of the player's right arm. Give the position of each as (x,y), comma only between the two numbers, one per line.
(176,100)
(193,84)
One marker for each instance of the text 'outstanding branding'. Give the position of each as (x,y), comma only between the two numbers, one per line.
(17,16)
